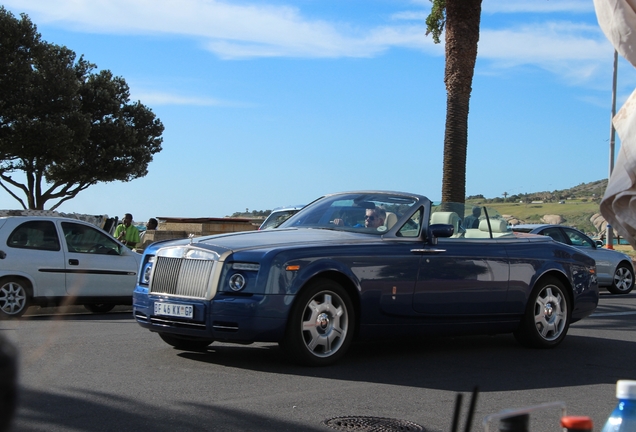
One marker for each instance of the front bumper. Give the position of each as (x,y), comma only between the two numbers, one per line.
(240,319)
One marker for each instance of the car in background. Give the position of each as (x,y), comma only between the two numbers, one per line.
(368,265)
(52,261)
(614,269)
(278,216)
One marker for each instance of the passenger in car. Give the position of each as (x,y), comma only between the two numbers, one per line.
(472,221)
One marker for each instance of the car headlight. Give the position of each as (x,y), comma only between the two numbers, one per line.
(146,270)
(237,282)
(242,272)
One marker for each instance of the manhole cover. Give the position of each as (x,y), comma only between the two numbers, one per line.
(372,424)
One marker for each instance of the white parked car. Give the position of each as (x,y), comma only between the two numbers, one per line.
(52,261)
(278,216)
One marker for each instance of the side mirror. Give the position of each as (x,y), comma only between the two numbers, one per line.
(439,230)
(599,243)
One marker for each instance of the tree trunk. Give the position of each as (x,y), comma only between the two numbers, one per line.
(462,35)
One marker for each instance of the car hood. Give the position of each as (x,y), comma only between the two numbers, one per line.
(268,239)
(609,254)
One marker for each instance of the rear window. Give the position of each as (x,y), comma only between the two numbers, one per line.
(40,235)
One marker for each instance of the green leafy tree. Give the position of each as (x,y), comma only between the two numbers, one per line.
(63,126)
(460,19)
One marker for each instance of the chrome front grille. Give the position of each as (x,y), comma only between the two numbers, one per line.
(181,277)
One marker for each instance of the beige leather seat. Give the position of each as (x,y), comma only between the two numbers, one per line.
(499,229)
(497,225)
(449,218)
(390,220)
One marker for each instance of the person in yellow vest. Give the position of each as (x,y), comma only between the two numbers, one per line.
(127,233)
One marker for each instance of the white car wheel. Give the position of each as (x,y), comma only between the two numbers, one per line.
(14,297)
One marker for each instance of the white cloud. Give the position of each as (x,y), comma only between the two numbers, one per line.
(229,30)
(239,31)
(162,98)
(572,50)
(520,6)
(537,6)
(411,15)
(507,7)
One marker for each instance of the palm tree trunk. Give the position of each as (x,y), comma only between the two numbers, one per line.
(462,34)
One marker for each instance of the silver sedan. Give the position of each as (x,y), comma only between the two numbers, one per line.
(614,269)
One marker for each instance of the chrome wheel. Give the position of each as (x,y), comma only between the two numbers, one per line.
(550,313)
(547,317)
(623,280)
(320,326)
(13,298)
(325,324)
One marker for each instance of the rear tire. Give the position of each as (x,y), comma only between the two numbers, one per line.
(99,308)
(623,281)
(185,343)
(321,323)
(15,297)
(547,317)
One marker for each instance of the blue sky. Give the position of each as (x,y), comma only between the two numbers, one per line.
(270,103)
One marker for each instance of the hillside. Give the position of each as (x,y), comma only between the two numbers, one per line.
(576,205)
(591,190)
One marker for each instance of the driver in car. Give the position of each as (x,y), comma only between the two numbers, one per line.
(373,218)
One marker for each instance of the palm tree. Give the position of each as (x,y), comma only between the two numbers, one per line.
(461,19)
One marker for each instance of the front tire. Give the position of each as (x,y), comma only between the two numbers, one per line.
(321,323)
(185,343)
(14,297)
(547,317)
(623,281)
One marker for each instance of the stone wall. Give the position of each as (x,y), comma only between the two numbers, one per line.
(178,228)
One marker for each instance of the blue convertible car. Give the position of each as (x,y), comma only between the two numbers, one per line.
(364,265)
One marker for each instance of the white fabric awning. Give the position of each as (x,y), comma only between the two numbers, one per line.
(617,18)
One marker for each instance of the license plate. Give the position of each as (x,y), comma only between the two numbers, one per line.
(175,310)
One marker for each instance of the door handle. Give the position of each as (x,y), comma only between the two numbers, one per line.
(73,262)
(428,251)
(3,254)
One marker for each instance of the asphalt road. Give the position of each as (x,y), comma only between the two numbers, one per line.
(83,372)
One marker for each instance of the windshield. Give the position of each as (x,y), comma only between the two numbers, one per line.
(371,213)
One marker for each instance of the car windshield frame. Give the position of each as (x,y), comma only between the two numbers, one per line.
(346,211)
